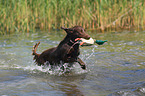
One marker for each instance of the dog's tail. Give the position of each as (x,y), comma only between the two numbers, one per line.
(34,50)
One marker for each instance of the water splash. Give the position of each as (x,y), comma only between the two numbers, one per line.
(62,69)
(93,51)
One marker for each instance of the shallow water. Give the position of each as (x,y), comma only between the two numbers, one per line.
(116,68)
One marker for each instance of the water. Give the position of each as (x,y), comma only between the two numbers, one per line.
(116,68)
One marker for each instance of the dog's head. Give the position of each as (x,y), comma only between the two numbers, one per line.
(76,32)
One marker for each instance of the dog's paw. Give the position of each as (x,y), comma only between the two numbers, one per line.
(83,67)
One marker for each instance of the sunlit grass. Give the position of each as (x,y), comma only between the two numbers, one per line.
(101,15)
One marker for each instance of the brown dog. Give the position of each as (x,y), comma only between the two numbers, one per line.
(66,52)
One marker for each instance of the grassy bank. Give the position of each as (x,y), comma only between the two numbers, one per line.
(101,15)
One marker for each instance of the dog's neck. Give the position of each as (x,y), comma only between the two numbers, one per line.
(70,37)
(70,40)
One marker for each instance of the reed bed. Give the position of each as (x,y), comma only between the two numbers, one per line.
(101,15)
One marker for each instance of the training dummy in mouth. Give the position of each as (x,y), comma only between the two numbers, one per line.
(89,42)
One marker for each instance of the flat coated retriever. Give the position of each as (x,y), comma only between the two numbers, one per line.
(66,52)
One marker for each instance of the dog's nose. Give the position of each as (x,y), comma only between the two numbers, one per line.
(88,37)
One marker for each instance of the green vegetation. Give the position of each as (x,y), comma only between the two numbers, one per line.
(102,15)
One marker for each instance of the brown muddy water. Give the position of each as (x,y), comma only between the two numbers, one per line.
(116,68)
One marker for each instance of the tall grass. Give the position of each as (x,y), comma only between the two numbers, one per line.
(101,15)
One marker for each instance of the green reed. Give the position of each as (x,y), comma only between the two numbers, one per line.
(101,15)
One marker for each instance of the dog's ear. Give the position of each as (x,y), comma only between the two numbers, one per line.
(64,28)
(68,30)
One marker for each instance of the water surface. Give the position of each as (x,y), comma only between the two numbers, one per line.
(116,68)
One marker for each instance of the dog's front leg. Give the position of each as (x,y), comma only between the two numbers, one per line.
(82,64)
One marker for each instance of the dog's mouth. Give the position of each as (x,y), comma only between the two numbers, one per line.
(86,37)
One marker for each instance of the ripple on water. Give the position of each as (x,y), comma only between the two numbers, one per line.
(134,92)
